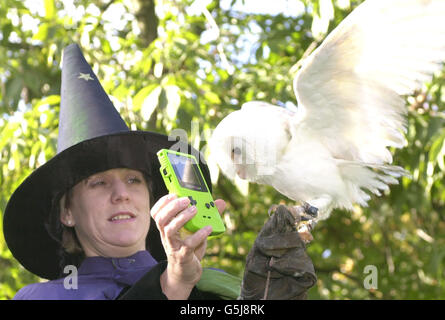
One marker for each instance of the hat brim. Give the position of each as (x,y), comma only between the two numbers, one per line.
(29,206)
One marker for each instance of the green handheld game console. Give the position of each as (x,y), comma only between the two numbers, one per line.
(182,176)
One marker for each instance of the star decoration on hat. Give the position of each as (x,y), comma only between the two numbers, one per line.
(85,76)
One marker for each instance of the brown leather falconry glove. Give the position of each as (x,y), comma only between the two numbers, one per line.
(277,266)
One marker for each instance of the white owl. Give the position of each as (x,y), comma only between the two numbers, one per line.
(333,150)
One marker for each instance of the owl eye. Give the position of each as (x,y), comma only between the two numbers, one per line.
(236,151)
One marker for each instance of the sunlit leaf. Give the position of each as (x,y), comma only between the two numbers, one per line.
(437,152)
(150,103)
(173,101)
(42,34)
(50,9)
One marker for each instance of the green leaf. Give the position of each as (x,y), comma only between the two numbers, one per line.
(49,100)
(437,151)
(50,9)
(106,47)
(150,103)
(173,101)
(212,97)
(42,33)
(7,134)
(139,98)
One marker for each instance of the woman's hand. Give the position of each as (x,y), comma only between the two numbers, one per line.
(184,254)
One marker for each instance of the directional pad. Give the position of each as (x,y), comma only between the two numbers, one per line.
(192,201)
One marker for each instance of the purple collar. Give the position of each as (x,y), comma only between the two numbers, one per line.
(139,260)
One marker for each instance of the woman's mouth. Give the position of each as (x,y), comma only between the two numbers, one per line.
(122,217)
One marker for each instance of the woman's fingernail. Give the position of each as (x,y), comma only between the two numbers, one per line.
(192,209)
(185,201)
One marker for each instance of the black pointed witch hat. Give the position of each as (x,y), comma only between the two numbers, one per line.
(92,138)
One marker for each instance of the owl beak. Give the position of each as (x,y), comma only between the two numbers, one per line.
(241,173)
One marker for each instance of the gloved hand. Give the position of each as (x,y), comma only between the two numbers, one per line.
(277,266)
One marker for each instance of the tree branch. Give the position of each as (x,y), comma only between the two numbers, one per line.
(148,21)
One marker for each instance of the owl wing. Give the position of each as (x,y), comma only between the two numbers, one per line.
(349,90)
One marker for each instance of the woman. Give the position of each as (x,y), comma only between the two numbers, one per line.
(110,212)
(89,207)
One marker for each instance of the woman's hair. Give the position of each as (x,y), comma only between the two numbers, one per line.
(70,242)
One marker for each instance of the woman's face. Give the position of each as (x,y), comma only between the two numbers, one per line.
(110,211)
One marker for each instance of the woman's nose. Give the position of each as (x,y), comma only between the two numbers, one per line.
(120,192)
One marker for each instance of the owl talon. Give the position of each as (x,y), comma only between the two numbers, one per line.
(306,226)
(302,213)
(304,229)
(304,219)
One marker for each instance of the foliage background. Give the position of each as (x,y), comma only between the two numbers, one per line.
(182,64)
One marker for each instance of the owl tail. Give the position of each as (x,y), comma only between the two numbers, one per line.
(361,177)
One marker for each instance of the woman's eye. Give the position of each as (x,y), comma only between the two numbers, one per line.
(134,180)
(97,183)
